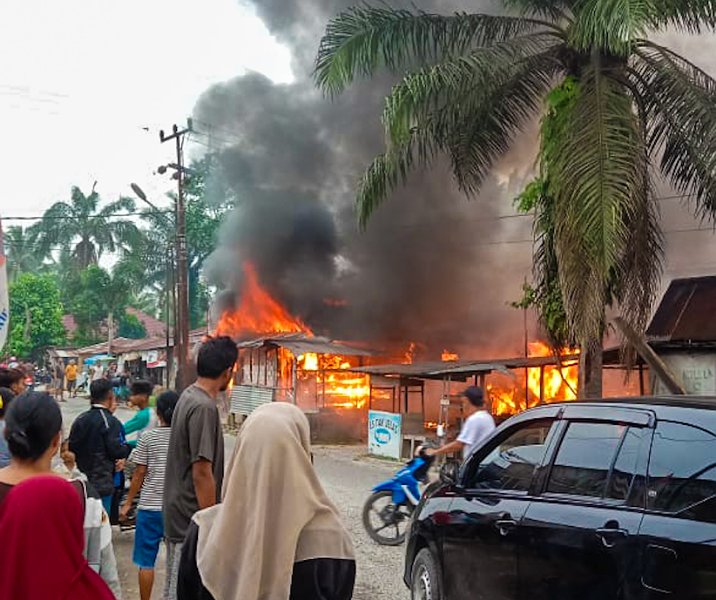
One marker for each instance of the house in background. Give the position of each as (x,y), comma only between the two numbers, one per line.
(683,334)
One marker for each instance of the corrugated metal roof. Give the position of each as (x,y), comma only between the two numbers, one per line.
(461,369)
(687,312)
(300,343)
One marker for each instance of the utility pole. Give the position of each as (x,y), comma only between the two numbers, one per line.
(181,327)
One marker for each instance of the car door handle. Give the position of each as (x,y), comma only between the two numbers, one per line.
(609,535)
(505,524)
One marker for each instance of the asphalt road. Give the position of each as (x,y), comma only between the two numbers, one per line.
(347,476)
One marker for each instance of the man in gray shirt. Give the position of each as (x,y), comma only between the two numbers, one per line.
(195,463)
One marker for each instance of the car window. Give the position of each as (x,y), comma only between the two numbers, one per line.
(625,466)
(584,459)
(682,472)
(510,465)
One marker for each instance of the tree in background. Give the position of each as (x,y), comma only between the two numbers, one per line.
(23,255)
(100,301)
(35,316)
(87,230)
(621,106)
(131,327)
(206,205)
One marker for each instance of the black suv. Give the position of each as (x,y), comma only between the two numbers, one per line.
(576,501)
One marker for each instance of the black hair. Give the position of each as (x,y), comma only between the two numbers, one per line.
(7,395)
(142,387)
(99,390)
(31,423)
(166,403)
(9,377)
(474,396)
(215,356)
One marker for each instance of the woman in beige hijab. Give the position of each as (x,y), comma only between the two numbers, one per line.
(276,535)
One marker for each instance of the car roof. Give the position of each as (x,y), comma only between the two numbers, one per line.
(653,402)
(698,410)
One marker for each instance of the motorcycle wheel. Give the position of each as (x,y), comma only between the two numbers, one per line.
(386,522)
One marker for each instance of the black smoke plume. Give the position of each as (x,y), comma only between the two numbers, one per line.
(432,266)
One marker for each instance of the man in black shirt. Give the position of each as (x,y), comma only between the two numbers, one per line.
(95,441)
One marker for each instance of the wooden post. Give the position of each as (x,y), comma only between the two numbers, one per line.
(486,395)
(658,366)
(294,378)
(641,379)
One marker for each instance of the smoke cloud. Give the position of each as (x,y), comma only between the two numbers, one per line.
(432,267)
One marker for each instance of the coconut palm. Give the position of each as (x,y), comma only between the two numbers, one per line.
(626,106)
(22,251)
(89,232)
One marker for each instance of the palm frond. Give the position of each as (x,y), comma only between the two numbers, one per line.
(363,39)
(386,172)
(482,132)
(554,10)
(122,204)
(611,26)
(457,81)
(680,104)
(474,128)
(598,173)
(639,272)
(83,205)
(693,16)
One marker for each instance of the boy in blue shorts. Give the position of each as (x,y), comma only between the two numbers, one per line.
(150,456)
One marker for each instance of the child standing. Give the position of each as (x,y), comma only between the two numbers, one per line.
(150,456)
(145,419)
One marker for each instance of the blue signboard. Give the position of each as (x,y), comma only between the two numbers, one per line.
(384,433)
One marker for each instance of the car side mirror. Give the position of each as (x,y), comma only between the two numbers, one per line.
(450,472)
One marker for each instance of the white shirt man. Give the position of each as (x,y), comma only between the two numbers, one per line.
(476,428)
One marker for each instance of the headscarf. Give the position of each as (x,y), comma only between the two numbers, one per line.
(274,512)
(41,531)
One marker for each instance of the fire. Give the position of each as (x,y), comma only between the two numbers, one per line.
(502,400)
(308,361)
(409,355)
(342,388)
(258,312)
(448,356)
(508,397)
(559,384)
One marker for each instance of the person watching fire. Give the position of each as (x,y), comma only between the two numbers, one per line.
(478,425)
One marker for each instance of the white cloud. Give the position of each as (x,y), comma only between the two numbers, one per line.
(80,79)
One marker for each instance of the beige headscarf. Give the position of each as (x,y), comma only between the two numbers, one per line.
(274,512)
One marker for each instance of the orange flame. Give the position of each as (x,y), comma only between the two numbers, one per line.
(409,355)
(258,312)
(448,356)
(559,384)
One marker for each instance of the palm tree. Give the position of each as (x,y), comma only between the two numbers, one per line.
(89,232)
(622,107)
(22,251)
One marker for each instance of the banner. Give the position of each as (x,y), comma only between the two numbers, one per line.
(4,298)
(384,434)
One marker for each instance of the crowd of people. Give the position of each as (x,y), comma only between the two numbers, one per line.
(261,528)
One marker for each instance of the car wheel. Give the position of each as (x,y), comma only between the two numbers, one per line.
(425,582)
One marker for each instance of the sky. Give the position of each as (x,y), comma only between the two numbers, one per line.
(86,85)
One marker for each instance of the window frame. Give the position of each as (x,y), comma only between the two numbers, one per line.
(476,458)
(642,462)
(648,507)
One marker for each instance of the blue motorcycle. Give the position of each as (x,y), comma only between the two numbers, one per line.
(388,509)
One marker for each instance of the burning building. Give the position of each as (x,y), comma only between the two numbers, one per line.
(281,359)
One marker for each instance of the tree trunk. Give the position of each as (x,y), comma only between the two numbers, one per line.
(590,369)
(110,331)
